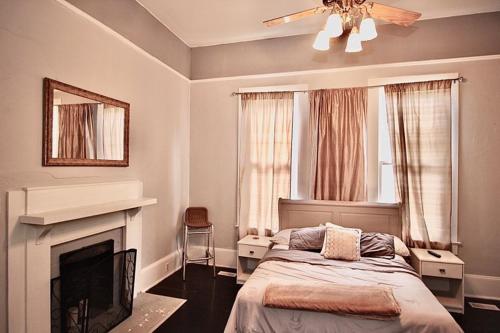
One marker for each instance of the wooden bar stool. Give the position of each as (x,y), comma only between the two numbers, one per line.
(196,223)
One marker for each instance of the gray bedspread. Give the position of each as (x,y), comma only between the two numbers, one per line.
(420,310)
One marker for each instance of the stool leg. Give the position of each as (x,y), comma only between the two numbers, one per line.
(207,251)
(184,253)
(213,248)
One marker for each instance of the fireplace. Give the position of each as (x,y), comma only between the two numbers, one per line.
(45,222)
(94,292)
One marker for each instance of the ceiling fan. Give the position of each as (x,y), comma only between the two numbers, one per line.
(354,15)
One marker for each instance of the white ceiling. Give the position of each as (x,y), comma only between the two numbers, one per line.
(212,22)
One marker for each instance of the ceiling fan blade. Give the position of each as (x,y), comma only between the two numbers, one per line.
(392,14)
(295,16)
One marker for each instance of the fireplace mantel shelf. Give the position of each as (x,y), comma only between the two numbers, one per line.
(74,213)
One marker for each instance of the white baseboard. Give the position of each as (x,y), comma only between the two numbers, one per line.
(152,274)
(223,257)
(482,286)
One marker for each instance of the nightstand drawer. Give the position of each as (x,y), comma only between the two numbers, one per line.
(250,251)
(444,270)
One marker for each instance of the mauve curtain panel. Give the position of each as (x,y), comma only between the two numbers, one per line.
(419,119)
(337,134)
(76,131)
(264,159)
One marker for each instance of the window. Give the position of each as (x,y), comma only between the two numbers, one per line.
(300,148)
(379,163)
(386,186)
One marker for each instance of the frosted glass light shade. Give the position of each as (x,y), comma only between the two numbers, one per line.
(354,41)
(322,41)
(334,26)
(367,30)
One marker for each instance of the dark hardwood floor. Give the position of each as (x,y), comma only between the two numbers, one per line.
(479,321)
(209,302)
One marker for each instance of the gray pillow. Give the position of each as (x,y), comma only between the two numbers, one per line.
(376,244)
(307,239)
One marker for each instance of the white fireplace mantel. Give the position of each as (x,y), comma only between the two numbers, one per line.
(42,217)
(70,214)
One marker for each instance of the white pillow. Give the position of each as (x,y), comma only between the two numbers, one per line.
(400,247)
(282,237)
(343,244)
(281,247)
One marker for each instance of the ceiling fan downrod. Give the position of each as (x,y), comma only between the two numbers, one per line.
(343,3)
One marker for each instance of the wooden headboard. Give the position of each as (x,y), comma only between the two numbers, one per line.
(368,216)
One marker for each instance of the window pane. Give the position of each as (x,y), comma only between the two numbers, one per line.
(384,143)
(386,173)
(387,193)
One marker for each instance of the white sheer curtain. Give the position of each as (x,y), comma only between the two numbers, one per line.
(110,130)
(264,159)
(419,121)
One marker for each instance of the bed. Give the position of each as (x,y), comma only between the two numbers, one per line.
(420,310)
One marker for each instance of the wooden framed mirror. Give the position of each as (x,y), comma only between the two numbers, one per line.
(82,128)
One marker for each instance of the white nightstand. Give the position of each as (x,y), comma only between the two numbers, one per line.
(443,276)
(250,250)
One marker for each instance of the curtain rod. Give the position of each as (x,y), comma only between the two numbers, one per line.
(459,79)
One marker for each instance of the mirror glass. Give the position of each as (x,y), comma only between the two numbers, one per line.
(85,128)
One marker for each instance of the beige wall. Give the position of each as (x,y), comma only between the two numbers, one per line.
(214,149)
(43,38)
(444,38)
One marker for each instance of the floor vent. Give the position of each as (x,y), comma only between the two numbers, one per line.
(225,273)
(484,306)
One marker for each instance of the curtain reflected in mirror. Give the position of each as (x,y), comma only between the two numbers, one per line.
(85,130)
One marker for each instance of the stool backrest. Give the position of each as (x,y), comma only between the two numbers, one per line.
(196,217)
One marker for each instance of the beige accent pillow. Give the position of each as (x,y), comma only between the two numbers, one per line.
(343,244)
(400,247)
(328,225)
(331,225)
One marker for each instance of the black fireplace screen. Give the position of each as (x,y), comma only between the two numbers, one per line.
(94,292)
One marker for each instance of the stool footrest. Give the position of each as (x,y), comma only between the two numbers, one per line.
(199,232)
(199,259)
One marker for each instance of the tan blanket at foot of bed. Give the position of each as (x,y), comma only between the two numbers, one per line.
(374,302)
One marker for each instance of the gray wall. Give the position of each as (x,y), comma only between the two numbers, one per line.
(460,36)
(43,38)
(134,22)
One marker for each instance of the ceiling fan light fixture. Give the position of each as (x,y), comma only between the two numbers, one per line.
(334,25)
(322,41)
(367,29)
(354,41)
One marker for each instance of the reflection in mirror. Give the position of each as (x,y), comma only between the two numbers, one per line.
(86,129)
(83,128)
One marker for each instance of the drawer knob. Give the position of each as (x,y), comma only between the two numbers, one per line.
(442,270)
(251,252)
